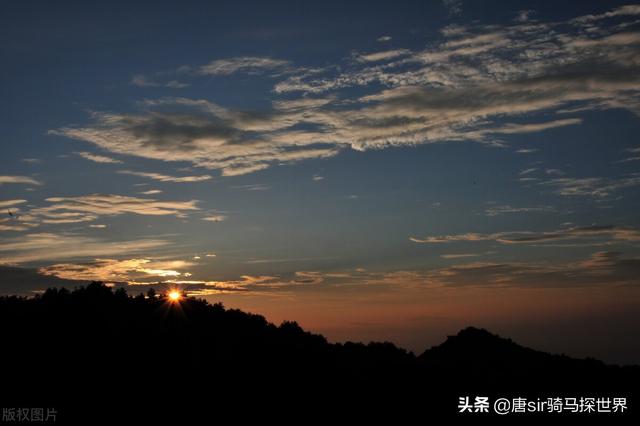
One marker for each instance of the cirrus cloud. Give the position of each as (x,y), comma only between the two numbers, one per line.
(606,232)
(98,158)
(19,179)
(46,246)
(165,178)
(476,83)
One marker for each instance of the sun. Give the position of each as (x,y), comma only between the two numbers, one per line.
(174,295)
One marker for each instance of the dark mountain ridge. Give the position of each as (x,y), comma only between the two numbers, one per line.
(83,349)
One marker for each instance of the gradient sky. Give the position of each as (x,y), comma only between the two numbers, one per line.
(374,170)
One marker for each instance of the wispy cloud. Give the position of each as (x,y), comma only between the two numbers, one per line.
(526,151)
(252,187)
(165,178)
(635,155)
(462,87)
(88,208)
(48,247)
(248,64)
(19,179)
(459,255)
(65,210)
(603,268)
(527,171)
(627,10)
(10,203)
(98,158)
(119,270)
(597,187)
(206,135)
(498,210)
(536,127)
(215,218)
(607,233)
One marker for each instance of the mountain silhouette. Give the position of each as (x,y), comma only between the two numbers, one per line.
(97,350)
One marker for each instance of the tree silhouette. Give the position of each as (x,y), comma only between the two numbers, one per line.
(151,293)
(77,346)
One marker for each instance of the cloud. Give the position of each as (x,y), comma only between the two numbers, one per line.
(143,273)
(605,268)
(10,203)
(498,210)
(596,187)
(471,236)
(204,134)
(459,255)
(252,187)
(247,64)
(43,246)
(17,221)
(627,10)
(8,225)
(526,151)
(152,192)
(215,218)
(164,178)
(90,207)
(607,233)
(98,158)
(635,155)
(383,39)
(18,179)
(527,171)
(556,172)
(119,270)
(536,127)
(256,284)
(481,83)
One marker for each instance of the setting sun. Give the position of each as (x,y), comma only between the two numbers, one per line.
(174,295)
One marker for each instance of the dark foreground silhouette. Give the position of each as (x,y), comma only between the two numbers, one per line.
(98,355)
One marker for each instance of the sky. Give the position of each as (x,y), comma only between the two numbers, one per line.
(374,170)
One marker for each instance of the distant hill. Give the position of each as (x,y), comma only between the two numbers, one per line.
(94,349)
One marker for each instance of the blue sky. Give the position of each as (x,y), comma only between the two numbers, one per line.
(380,161)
